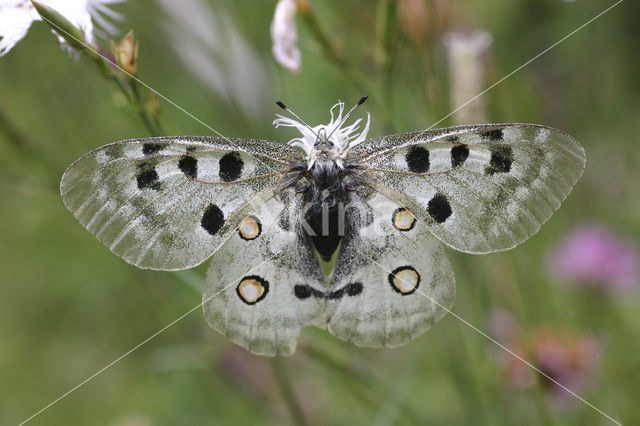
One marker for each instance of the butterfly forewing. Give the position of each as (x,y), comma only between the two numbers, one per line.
(478,188)
(168,203)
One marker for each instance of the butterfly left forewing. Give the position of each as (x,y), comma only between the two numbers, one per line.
(168,203)
(392,278)
(265,284)
(477,188)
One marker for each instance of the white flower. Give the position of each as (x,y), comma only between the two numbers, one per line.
(16,17)
(343,138)
(284,35)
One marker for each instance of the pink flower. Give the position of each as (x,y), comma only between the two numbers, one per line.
(568,357)
(593,256)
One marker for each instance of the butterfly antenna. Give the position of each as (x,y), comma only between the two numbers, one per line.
(284,107)
(360,102)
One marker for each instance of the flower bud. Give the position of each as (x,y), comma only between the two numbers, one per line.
(126,53)
(284,35)
(67,31)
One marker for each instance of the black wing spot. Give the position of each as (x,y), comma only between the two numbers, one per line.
(151,148)
(352,289)
(459,155)
(493,135)
(439,208)
(230,167)
(148,177)
(212,219)
(189,166)
(501,159)
(303,291)
(418,159)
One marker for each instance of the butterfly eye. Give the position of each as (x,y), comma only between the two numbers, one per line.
(324,144)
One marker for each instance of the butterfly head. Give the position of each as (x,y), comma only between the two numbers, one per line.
(333,139)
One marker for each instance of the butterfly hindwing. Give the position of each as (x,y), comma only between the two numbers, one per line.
(392,278)
(265,284)
(168,203)
(478,188)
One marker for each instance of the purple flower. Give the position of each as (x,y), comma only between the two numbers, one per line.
(593,256)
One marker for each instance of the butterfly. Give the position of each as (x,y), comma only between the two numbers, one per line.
(376,212)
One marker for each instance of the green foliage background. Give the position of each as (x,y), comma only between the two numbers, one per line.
(69,307)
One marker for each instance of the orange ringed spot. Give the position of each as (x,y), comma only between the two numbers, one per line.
(403,219)
(252,289)
(250,228)
(404,280)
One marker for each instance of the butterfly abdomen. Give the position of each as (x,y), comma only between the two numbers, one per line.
(325,197)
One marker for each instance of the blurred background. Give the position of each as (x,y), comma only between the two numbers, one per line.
(566,300)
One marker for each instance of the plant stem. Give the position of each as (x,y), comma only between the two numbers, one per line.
(330,48)
(143,112)
(386,53)
(129,88)
(287,391)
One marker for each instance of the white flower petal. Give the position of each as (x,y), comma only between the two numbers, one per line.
(344,138)
(16,17)
(284,35)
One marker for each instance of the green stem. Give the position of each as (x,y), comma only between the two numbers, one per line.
(129,88)
(366,384)
(387,43)
(143,112)
(74,36)
(288,394)
(329,47)
(387,40)
(22,144)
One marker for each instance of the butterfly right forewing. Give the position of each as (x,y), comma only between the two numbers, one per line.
(479,188)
